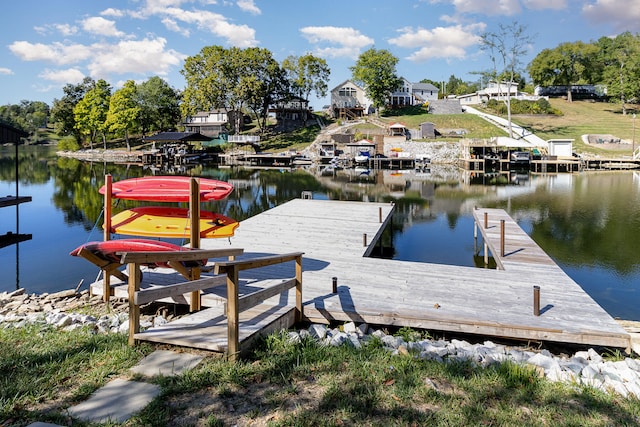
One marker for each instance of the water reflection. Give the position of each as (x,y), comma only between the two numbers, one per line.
(588,222)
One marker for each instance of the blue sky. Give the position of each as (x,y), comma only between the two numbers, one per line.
(47,44)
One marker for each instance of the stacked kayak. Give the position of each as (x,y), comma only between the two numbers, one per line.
(159,221)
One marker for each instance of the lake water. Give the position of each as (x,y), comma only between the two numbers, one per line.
(589,223)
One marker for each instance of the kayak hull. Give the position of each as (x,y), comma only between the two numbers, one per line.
(107,250)
(167,189)
(159,221)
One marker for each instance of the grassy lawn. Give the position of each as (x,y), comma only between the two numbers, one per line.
(284,383)
(581,118)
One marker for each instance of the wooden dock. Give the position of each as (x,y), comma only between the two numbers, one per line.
(341,283)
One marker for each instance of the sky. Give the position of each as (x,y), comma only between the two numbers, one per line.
(47,44)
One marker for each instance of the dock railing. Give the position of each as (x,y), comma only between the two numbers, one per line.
(225,273)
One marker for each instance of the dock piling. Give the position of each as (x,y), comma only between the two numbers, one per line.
(502,237)
(536,300)
(486,220)
(364,239)
(334,281)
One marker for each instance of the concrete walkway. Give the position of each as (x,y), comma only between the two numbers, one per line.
(518,131)
(120,399)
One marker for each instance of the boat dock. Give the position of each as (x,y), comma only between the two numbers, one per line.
(341,283)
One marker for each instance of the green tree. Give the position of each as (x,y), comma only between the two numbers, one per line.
(159,106)
(307,74)
(124,111)
(262,81)
(621,67)
(375,70)
(62,111)
(90,113)
(223,78)
(506,47)
(565,65)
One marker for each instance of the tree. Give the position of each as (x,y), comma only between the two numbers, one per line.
(376,71)
(62,110)
(226,78)
(28,115)
(506,47)
(90,113)
(124,111)
(307,74)
(262,81)
(621,67)
(159,106)
(565,65)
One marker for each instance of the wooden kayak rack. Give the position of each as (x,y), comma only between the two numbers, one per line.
(226,273)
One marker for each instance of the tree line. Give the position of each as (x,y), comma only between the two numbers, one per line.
(251,80)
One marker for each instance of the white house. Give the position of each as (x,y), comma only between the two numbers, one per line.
(209,123)
(413,94)
(348,100)
(497,91)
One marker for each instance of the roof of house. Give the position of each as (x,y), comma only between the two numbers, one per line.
(176,137)
(424,86)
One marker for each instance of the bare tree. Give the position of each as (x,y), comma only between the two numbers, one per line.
(506,47)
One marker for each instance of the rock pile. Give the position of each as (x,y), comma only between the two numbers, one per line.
(63,310)
(586,368)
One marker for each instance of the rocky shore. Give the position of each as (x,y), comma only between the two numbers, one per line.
(67,310)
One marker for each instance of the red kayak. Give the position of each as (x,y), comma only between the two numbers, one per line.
(107,250)
(167,189)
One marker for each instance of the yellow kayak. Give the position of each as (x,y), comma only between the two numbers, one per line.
(158,221)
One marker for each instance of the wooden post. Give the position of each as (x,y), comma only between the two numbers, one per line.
(502,237)
(364,239)
(299,309)
(106,277)
(486,253)
(233,345)
(536,300)
(134,310)
(486,220)
(194,218)
(334,283)
(380,215)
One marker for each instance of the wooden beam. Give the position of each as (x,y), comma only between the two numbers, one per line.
(134,310)
(145,296)
(166,256)
(248,301)
(109,267)
(299,310)
(233,337)
(248,264)
(194,216)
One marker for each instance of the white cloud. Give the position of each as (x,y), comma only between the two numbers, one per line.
(147,56)
(440,42)
(236,35)
(57,53)
(486,7)
(623,15)
(115,13)
(103,27)
(66,29)
(344,41)
(5,71)
(249,6)
(545,4)
(172,25)
(70,75)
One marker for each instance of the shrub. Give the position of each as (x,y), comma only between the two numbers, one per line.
(68,143)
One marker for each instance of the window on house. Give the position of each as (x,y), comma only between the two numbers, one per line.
(347,91)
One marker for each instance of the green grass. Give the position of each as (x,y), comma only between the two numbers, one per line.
(283,383)
(581,118)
